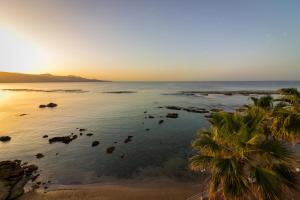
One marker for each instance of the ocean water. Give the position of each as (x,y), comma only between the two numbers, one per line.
(162,150)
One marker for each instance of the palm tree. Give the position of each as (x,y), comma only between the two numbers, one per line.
(244,158)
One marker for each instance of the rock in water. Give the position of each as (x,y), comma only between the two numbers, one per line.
(172,115)
(95,143)
(63,139)
(51,105)
(111,149)
(42,106)
(39,155)
(5,138)
(161,121)
(128,139)
(173,107)
(13,178)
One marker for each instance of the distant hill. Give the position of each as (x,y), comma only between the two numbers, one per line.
(9,77)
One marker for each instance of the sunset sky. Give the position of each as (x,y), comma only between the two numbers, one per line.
(151,40)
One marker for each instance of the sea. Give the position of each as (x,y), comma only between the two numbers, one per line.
(155,149)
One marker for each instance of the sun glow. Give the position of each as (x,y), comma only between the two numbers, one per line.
(19,54)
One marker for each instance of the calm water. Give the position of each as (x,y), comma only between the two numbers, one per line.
(111,118)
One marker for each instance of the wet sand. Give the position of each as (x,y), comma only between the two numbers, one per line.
(123,190)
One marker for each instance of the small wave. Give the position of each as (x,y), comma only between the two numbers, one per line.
(38,90)
(227,93)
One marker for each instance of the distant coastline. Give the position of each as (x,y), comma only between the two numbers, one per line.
(10,77)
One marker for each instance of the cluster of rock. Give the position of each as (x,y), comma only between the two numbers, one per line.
(13,177)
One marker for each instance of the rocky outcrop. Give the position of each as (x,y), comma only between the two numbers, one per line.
(13,178)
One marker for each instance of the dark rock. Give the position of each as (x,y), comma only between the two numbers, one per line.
(56,154)
(45,136)
(63,139)
(128,139)
(13,178)
(80,134)
(173,107)
(21,115)
(39,155)
(95,143)
(145,112)
(42,106)
(147,129)
(150,117)
(172,115)
(51,105)
(5,138)
(122,156)
(196,110)
(110,150)
(18,161)
(82,129)
(89,134)
(161,121)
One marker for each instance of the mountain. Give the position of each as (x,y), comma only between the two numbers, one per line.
(10,77)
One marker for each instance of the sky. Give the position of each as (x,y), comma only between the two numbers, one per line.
(153,40)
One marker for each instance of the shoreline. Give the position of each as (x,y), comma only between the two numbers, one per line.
(123,189)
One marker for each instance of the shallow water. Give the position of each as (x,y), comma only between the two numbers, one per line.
(111,118)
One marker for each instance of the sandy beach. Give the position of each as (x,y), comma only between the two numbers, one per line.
(125,190)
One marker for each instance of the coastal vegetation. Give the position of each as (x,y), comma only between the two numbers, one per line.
(248,154)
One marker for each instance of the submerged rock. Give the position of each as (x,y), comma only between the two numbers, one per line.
(89,134)
(13,178)
(172,115)
(5,138)
(196,110)
(151,117)
(39,155)
(45,136)
(161,121)
(95,143)
(110,150)
(82,129)
(21,115)
(128,139)
(42,106)
(173,107)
